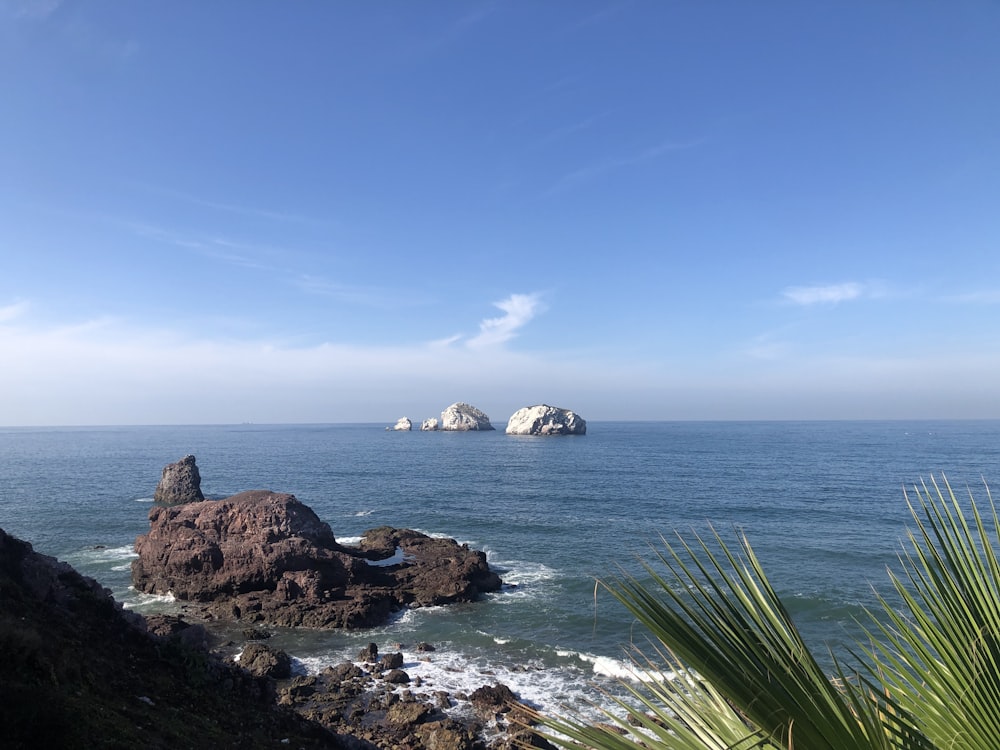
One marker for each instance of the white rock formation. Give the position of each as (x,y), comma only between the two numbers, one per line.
(463,417)
(403,424)
(430,425)
(545,420)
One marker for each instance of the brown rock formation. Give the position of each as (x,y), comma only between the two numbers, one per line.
(77,671)
(180,483)
(265,557)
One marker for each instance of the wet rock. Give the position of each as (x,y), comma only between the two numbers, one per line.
(447,734)
(344,672)
(391,661)
(407,713)
(396,677)
(261,660)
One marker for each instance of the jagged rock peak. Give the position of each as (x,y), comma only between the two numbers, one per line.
(461,417)
(179,483)
(543,419)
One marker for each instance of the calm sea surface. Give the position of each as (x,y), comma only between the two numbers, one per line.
(821,502)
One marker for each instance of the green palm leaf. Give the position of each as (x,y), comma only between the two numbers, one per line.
(737,674)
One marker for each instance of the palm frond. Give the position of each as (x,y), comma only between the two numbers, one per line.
(740,675)
(940,655)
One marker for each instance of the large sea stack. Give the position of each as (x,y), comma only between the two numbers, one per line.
(545,420)
(179,483)
(461,417)
(263,556)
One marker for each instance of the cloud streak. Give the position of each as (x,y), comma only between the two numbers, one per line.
(13,311)
(592,171)
(519,309)
(824,294)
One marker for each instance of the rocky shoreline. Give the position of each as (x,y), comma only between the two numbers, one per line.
(256,560)
(79,671)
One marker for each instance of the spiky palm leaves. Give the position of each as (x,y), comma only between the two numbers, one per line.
(735,673)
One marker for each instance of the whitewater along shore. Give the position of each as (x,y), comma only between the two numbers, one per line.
(261,559)
(94,674)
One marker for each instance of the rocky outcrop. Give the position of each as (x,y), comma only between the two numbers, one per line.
(77,671)
(403,425)
(363,701)
(179,483)
(430,425)
(460,417)
(262,556)
(545,420)
(263,661)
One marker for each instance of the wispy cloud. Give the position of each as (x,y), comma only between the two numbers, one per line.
(217,248)
(592,171)
(13,311)
(224,206)
(368,296)
(118,364)
(572,128)
(824,294)
(519,309)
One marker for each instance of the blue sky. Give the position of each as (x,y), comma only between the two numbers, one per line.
(326,212)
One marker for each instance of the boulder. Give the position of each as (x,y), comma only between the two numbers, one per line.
(265,557)
(179,483)
(403,425)
(430,425)
(369,654)
(460,417)
(545,420)
(391,661)
(261,660)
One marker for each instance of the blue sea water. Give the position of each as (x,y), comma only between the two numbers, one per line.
(821,502)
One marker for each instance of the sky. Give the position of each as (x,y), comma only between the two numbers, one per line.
(277,212)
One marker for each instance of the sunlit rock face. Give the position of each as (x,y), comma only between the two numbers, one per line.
(403,425)
(461,417)
(430,425)
(263,556)
(545,420)
(179,483)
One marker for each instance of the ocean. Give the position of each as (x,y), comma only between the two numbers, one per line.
(821,502)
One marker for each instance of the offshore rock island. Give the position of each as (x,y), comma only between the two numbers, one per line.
(262,556)
(545,420)
(540,419)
